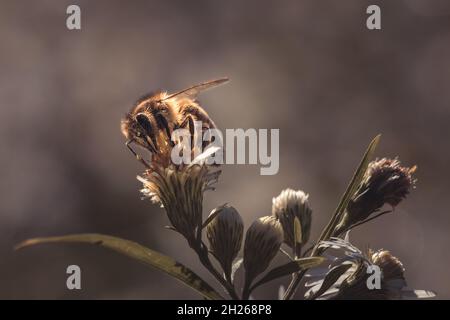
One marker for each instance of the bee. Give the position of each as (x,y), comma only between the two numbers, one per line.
(153,118)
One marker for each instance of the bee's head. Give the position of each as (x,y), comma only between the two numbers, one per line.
(128,128)
(137,125)
(137,128)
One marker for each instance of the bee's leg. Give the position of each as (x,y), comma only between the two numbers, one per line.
(152,144)
(189,122)
(163,125)
(138,157)
(150,136)
(208,141)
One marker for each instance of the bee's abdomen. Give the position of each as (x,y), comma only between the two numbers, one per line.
(197,113)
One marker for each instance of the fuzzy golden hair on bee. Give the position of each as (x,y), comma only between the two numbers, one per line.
(154,117)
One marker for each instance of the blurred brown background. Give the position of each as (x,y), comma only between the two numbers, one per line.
(310,68)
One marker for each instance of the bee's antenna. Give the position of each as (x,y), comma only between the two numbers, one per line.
(138,157)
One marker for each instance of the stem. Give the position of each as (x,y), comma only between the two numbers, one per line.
(297,277)
(326,234)
(246,290)
(367,220)
(204,259)
(292,288)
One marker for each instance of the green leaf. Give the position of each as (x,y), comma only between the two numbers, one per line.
(136,251)
(289,268)
(351,189)
(331,277)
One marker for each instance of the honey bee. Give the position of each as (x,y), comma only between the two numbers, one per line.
(155,116)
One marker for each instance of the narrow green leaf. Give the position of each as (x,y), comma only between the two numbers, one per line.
(351,189)
(289,268)
(136,251)
(331,277)
(358,175)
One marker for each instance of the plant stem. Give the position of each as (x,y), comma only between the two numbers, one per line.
(297,277)
(292,288)
(204,259)
(246,290)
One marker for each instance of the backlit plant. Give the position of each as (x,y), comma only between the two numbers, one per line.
(222,246)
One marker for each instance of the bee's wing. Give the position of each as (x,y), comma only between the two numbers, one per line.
(193,91)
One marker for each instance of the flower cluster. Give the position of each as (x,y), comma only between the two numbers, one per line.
(179,189)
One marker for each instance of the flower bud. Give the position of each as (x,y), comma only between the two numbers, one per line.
(262,242)
(291,204)
(180,192)
(224,233)
(385,182)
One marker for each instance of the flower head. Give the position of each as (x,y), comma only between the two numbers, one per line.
(291,204)
(180,192)
(385,182)
(389,182)
(262,242)
(391,266)
(362,275)
(224,233)
(392,282)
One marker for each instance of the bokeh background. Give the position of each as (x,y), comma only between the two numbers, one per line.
(309,68)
